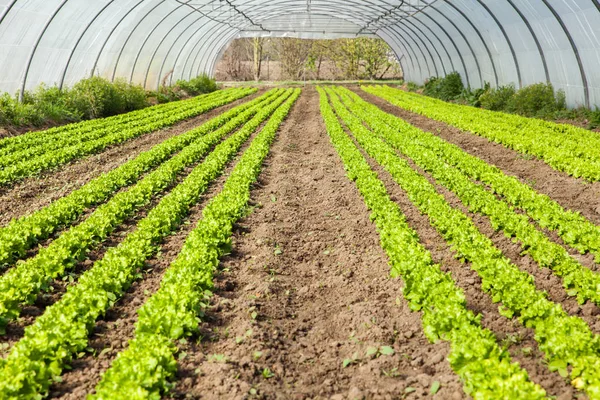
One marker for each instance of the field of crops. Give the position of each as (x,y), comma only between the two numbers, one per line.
(330,242)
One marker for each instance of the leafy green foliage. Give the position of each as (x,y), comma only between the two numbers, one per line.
(171,313)
(574,229)
(447,88)
(485,368)
(69,145)
(411,141)
(559,336)
(566,148)
(62,330)
(497,99)
(23,233)
(199,85)
(537,100)
(25,280)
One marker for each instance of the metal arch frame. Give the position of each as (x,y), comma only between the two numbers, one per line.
(214,46)
(535,39)
(404,28)
(10,6)
(283,5)
(35,46)
(166,57)
(487,49)
(421,36)
(160,2)
(412,22)
(396,46)
(461,33)
(181,51)
(586,89)
(508,41)
(396,36)
(407,51)
(393,38)
(458,53)
(141,47)
(273,11)
(221,30)
(65,70)
(218,54)
(159,45)
(114,28)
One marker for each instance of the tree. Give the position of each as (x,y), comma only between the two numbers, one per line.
(293,54)
(257,43)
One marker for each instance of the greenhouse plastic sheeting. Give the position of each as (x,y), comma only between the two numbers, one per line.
(59,42)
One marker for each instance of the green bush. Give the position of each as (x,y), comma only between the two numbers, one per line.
(90,98)
(15,113)
(497,99)
(594,119)
(199,85)
(537,100)
(133,96)
(412,86)
(448,88)
(473,97)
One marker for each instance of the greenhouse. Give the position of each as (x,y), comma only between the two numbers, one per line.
(496,41)
(300,199)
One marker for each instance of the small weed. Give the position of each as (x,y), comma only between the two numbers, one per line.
(266,373)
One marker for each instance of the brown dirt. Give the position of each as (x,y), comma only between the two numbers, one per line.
(571,193)
(36,192)
(520,341)
(326,296)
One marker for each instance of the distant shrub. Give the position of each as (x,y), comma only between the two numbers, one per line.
(199,85)
(537,100)
(15,113)
(97,97)
(412,86)
(594,119)
(473,97)
(448,88)
(497,99)
(133,96)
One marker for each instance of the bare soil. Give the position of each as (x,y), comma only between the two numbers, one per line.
(36,192)
(306,287)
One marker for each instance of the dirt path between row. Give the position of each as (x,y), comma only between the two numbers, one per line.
(36,192)
(571,193)
(305,288)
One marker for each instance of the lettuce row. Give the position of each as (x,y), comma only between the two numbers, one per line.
(575,230)
(29,139)
(23,233)
(62,331)
(144,370)
(61,156)
(565,340)
(26,279)
(71,138)
(484,367)
(576,154)
(577,279)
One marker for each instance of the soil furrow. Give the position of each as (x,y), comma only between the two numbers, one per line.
(305,288)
